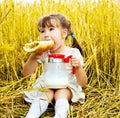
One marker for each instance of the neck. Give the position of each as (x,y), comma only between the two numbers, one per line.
(60,50)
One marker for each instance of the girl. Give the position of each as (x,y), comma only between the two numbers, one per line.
(55,27)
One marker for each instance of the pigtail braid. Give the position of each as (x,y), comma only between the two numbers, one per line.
(75,43)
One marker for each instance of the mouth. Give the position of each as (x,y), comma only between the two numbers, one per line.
(48,39)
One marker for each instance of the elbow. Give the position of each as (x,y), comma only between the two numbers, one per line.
(24,73)
(84,83)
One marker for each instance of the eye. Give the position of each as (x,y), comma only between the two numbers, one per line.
(51,29)
(42,31)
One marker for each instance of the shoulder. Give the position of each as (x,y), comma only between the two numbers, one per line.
(75,51)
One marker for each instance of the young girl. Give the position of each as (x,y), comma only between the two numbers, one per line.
(55,27)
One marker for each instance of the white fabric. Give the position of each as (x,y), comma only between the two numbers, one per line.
(61,108)
(76,89)
(38,107)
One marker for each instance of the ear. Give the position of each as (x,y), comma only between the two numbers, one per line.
(64,33)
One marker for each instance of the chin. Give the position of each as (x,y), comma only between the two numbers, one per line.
(53,50)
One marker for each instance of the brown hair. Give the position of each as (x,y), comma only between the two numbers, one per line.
(63,22)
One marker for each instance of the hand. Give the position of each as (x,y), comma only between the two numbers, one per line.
(75,62)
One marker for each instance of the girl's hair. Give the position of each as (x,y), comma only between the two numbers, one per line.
(59,20)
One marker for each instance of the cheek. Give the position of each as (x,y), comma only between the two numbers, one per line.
(58,42)
(42,37)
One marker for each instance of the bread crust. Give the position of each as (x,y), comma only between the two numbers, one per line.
(38,46)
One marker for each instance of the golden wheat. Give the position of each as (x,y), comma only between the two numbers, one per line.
(97,28)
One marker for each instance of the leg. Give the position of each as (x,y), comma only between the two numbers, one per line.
(62,97)
(48,95)
(39,106)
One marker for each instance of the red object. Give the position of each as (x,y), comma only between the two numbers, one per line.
(66,60)
(60,56)
(74,70)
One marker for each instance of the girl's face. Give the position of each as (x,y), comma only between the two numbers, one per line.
(57,35)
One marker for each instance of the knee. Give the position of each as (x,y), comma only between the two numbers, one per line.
(48,95)
(63,93)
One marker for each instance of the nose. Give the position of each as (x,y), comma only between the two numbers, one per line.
(47,33)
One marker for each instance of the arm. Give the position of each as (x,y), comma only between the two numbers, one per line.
(80,73)
(31,64)
(81,76)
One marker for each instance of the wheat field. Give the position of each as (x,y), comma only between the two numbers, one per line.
(96,26)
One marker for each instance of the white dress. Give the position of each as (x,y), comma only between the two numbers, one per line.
(77,93)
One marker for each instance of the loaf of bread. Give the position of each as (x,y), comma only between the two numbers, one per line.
(38,46)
